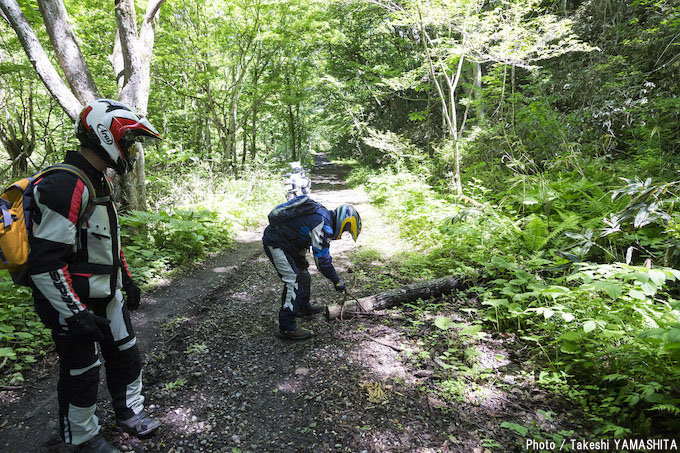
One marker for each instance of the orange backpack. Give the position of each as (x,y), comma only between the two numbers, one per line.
(15,223)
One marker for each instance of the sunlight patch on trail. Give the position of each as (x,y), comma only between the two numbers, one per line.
(183,420)
(223,270)
(377,234)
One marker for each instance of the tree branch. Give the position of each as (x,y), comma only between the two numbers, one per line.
(66,48)
(39,59)
(127,32)
(152,9)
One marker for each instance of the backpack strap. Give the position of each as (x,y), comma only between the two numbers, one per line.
(109,188)
(94,199)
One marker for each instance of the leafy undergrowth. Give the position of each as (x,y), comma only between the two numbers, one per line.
(474,370)
(602,323)
(609,332)
(24,340)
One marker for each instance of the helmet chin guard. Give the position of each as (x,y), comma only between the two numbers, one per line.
(110,128)
(346,219)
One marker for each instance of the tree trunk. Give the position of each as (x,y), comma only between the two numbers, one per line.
(238,76)
(17,133)
(244,154)
(253,119)
(233,111)
(300,131)
(135,86)
(207,136)
(477,83)
(136,50)
(291,132)
(395,297)
(68,52)
(253,134)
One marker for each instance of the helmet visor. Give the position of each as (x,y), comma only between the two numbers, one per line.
(141,132)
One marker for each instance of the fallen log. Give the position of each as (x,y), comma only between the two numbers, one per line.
(395,297)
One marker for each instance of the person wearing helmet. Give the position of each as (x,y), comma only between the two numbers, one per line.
(286,246)
(297,182)
(78,274)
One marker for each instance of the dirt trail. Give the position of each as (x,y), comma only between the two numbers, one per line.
(220,379)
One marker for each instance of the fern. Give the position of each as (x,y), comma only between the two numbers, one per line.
(670,408)
(536,235)
(570,221)
(535,232)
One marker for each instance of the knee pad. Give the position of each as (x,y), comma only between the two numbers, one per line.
(304,278)
(125,365)
(80,385)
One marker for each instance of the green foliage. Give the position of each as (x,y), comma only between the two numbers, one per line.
(519,429)
(23,338)
(167,239)
(174,385)
(603,329)
(612,324)
(425,209)
(643,230)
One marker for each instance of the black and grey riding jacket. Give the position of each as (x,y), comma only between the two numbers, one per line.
(72,260)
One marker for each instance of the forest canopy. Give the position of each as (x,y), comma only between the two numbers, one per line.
(534,143)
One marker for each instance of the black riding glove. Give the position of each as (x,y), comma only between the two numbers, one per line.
(340,286)
(87,324)
(134,295)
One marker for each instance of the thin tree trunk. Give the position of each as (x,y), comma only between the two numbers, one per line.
(207,136)
(245,144)
(238,75)
(253,134)
(232,131)
(300,130)
(253,118)
(291,131)
(218,120)
(477,83)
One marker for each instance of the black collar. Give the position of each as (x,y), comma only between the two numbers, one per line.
(76,159)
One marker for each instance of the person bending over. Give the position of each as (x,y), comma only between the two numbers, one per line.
(286,244)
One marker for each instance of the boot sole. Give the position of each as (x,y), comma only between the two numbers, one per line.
(287,337)
(307,315)
(136,433)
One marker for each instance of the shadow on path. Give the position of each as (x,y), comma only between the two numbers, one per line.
(220,379)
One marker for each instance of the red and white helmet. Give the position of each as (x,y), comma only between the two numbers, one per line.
(109,128)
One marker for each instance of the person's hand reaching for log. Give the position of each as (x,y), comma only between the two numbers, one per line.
(340,286)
